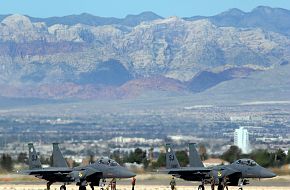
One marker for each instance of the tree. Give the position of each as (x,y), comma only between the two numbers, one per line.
(280,158)
(288,157)
(145,163)
(138,156)
(202,152)
(6,162)
(182,157)
(117,157)
(22,157)
(262,157)
(46,161)
(232,154)
(161,161)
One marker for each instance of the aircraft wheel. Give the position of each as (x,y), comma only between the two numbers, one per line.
(63,187)
(82,188)
(48,185)
(200,187)
(240,188)
(220,187)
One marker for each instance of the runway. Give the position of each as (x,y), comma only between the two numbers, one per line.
(144,182)
(128,187)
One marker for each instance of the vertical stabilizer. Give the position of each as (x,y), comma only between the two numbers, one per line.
(57,157)
(171,160)
(194,157)
(33,160)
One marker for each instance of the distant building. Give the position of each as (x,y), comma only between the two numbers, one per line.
(214,162)
(241,139)
(240,118)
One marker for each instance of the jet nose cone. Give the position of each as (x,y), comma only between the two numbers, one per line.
(271,174)
(127,174)
(130,174)
(268,174)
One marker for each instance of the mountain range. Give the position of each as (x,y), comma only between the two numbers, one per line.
(90,57)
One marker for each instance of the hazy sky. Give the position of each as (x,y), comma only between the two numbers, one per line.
(121,8)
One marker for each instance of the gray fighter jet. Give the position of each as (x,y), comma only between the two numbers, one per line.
(82,176)
(187,173)
(235,174)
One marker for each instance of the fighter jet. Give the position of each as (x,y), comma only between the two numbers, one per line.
(187,173)
(235,174)
(82,176)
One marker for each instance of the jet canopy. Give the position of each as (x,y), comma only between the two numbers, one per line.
(247,162)
(107,161)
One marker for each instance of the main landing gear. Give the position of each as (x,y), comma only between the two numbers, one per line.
(92,186)
(48,185)
(222,187)
(63,187)
(242,183)
(102,184)
(82,188)
(201,187)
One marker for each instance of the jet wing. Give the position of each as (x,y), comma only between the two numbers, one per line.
(189,173)
(64,174)
(187,170)
(50,174)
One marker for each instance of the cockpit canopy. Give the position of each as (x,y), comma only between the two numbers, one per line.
(107,161)
(247,162)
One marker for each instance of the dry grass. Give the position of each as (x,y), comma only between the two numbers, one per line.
(281,171)
(18,178)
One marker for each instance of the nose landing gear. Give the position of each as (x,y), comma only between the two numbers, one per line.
(200,187)
(48,185)
(63,187)
(82,188)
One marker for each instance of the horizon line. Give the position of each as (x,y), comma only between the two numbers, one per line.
(148,11)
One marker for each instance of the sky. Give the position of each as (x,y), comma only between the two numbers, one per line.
(121,8)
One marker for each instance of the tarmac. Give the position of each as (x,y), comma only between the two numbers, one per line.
(137,187)
(144,182)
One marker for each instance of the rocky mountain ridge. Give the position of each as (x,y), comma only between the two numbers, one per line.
(89,57)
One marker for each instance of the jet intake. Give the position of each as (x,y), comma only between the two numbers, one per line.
(78,175)
(81,175)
